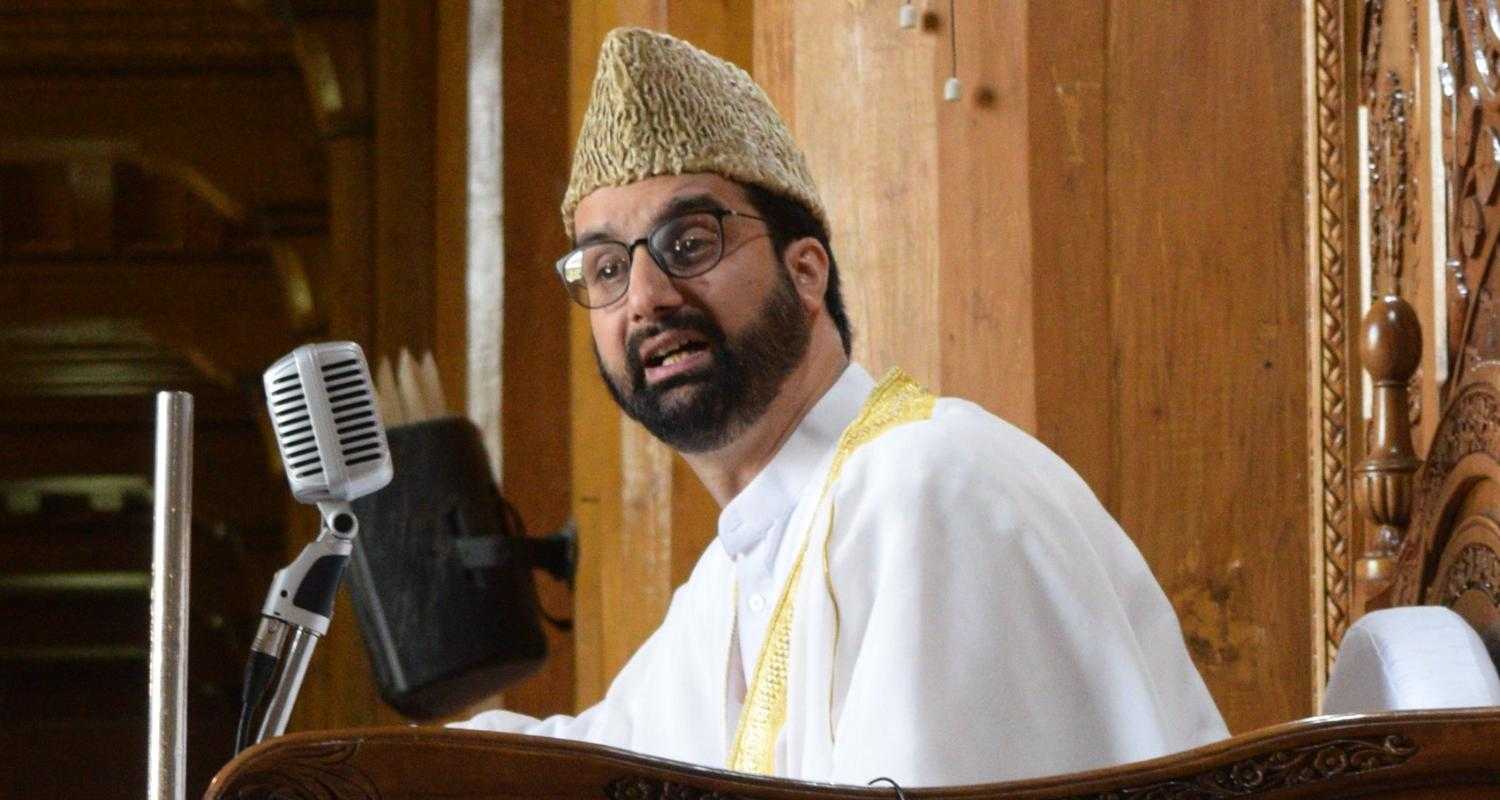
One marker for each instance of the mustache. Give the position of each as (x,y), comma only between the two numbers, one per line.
(683,320)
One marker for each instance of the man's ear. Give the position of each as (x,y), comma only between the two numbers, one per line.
(807,264)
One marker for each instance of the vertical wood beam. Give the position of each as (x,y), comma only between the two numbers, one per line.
(453,162)
(877,185)
(1206,241)
(536,408)
(405,115)
(1073,364)
(985,269)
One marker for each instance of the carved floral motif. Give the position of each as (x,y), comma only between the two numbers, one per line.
(1391,186)
(1298,766)
(637,788)
(322,771)
(1477,568)
(1276,771)
(1468,78)
(1471,425)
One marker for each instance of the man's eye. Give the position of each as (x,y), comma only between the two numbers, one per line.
(692,243)
(608,269)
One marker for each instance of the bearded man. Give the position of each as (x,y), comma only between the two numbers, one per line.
(902,586)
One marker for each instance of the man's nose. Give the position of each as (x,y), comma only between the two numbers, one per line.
(652,293)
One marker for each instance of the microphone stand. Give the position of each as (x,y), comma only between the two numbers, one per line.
(296,614)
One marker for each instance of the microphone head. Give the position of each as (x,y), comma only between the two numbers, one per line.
(327,424)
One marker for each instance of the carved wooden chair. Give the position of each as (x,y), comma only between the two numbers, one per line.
(1436,541)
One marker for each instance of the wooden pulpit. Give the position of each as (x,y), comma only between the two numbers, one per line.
(1438,754)
(1435,540)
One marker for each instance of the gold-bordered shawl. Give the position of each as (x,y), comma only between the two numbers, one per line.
(895,401)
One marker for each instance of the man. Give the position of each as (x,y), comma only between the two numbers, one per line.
(902,586)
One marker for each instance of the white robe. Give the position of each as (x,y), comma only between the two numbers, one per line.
(981,618)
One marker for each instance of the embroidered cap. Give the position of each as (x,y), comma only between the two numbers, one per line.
(661,106)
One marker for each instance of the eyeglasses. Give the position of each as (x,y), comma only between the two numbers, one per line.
(598,273)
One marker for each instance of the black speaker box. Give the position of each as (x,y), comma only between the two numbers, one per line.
(441,584)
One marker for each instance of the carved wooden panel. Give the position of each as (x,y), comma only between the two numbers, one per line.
(1426,754)
(1430,79)
(1470,79)
(1451,555)
(1390,61)
(1332,455)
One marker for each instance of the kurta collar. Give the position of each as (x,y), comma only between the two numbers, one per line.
(773,493)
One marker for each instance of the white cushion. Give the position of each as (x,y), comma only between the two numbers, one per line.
(1409,658)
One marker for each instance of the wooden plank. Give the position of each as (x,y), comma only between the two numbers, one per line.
(988,350)
(1433,755)
(873,78)
(405,113)
(451,163)
(1206,239)
(774,55)
(536,406)
(1073,375)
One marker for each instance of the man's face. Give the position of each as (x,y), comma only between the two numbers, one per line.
(694,360)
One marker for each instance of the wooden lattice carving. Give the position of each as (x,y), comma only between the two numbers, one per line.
(1331,457)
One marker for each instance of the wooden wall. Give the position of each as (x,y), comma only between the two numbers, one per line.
(1206,245)
(536,422)
(1103,242)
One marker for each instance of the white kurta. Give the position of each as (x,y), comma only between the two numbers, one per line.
(980,617)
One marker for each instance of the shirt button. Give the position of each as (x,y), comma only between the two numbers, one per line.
(757,603)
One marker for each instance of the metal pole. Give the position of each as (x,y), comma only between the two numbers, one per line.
(284,696)
(171,538)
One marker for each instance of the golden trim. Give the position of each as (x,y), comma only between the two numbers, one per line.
(896,400)
(838,617)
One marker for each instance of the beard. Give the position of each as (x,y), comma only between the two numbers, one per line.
(707,408)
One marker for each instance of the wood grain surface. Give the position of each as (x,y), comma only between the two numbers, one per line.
(1431,755)
(1102,242)
(536,403)
(1206,240)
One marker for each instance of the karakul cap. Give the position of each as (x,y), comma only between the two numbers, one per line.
(661,106)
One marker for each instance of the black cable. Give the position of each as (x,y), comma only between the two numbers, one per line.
(556,554)
(258,673)
(900,795)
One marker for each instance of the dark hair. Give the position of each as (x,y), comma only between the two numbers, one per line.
(790,220)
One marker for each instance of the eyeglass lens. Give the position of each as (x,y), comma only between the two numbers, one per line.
(598,274)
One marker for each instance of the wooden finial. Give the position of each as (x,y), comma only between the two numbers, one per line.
(1391,348)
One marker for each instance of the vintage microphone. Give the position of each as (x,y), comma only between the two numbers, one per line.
(333,446)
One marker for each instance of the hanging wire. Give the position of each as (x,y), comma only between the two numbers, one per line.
(951,88)
(900,795)
(953,35)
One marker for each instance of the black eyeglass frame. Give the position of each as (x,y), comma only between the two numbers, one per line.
(656,257)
